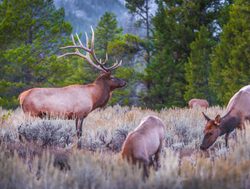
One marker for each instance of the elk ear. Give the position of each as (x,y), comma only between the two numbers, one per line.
(206,117)
(217,120)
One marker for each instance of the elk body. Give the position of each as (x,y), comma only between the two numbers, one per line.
(237,112)
(198,103)
(74,101)
(145,142)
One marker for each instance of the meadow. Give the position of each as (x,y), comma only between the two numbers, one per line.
(46,155)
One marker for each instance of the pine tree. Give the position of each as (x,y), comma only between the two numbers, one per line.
(176,23)
(198,66)
(31,33)
(106,31)
(126,48)
(231,60)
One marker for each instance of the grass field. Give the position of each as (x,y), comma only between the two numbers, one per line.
(48,158)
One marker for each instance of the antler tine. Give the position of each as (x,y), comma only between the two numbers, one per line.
(75,46)
(79,41)
(74,42)
(92,39)
(106,59)
(73,39)
(90,55)
(87,39)
(116,65)
(66,54)
(88,58)
(93,50)
(71,53)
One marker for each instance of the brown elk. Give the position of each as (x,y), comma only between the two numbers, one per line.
(28,152)
(145,142)
(74,101)
(198,103)
(237,112)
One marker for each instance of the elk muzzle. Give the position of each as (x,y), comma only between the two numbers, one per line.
(117,83)
(209,139)
(123,83)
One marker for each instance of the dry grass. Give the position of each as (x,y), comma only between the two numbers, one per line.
(47,158)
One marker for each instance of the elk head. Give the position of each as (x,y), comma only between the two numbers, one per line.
(211,132)
(92,59)
(110,80)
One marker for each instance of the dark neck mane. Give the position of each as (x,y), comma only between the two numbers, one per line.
(102,98)
(229,123)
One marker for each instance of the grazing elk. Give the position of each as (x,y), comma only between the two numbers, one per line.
(145,142)
(198,103)
(28,152)
(74,101)
(237,111)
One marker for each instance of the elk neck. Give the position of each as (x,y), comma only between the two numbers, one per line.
(100,94)
(229,123)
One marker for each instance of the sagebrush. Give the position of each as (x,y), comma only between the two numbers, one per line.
(47,157)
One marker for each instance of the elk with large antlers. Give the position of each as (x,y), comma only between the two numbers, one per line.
(74,101)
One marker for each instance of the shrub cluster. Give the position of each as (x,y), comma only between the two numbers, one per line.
(47,157)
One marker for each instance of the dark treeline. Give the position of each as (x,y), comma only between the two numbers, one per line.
(193,49)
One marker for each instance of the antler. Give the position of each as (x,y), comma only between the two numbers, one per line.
(90,55)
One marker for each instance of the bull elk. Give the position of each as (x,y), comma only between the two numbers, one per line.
(145,142)
(198,103)
(237,112)
(74,101)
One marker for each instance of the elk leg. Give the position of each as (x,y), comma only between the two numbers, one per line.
(151,161)
(157,157)
(79,127)
(145,169)
(226,139)
(144,164)
(81,121)
(78,132)
(76,124)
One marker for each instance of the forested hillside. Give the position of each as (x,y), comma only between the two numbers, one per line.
(83,14)
(190,49)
